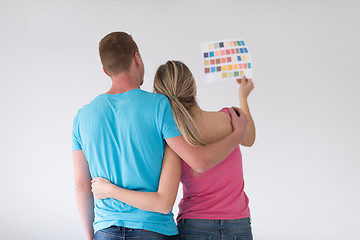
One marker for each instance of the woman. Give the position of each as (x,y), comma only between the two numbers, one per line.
(214,204)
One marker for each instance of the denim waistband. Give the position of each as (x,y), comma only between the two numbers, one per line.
(189,220)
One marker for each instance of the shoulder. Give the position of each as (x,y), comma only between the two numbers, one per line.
(157,97)
(155,103)
(88,107)
(222,116)
(225,110)
(161,100)
(160,97)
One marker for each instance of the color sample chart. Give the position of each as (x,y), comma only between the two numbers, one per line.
(227,59)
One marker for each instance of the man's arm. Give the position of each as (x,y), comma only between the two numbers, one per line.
(246,86)
(202,159)
(84,197)
(161,201)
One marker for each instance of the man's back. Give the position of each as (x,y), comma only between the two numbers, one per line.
(122,137)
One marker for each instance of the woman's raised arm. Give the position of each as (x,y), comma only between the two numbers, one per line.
(246,86)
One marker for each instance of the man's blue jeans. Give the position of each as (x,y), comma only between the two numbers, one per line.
(203,229)
(122,233)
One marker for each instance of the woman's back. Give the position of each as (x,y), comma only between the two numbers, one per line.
(217,193)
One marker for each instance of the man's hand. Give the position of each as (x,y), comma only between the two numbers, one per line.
(101,187)
(239,122)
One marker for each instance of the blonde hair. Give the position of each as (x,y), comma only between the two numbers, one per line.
(174,80)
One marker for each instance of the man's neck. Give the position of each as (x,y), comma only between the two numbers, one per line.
(123,83)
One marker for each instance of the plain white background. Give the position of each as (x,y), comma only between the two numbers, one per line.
(302,174)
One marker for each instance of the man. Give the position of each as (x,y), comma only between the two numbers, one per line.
(121,136)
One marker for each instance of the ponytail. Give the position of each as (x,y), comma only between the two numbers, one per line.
(175,81)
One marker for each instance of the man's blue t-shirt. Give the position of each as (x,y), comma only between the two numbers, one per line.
(122,137)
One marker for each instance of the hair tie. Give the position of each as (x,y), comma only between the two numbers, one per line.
(173,97)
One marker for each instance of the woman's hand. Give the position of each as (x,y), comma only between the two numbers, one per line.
(246,86)
(101,187)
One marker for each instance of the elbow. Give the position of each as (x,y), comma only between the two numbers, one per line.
(199,159)
(198,165)
(204,163)
(248,142)
(201,170)
(167,206)
(165,210)
(252,142)
(201,166)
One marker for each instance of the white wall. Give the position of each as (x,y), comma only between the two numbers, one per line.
(302,173)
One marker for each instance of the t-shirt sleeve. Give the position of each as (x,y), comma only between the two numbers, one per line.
(226,110)
(76,145)
(169,128)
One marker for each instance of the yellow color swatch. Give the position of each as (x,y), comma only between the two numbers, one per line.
(224,75)
(223,68)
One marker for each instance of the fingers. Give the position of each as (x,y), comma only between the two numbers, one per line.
(246,87)
(93,190)
(241,80)
(251,83)
(239,111)
(95,179)
(93,187)
(99,179)
(233,113)
(235,108)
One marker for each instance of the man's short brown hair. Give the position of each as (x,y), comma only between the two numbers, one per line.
(117,50)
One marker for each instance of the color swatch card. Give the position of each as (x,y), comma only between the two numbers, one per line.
(226,60)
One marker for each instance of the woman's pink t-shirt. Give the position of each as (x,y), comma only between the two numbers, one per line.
(216,194)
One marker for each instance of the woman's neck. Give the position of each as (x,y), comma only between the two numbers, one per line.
(196,112)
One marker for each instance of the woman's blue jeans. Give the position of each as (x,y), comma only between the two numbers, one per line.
(204,229)
(122,233)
